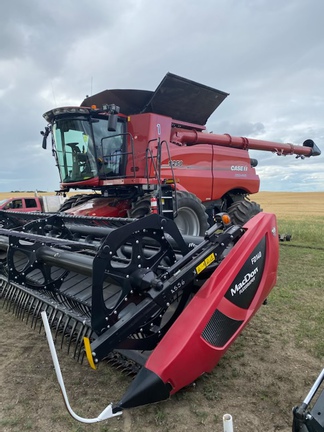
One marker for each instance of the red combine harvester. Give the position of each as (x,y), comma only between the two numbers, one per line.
(164,295)
(144,151)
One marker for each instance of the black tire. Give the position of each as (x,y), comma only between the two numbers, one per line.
(192,218)
(141,208)
(73,201)
(243,210)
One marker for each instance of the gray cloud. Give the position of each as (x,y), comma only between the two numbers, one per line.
(267,55)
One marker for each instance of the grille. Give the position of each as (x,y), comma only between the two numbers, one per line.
(220,329)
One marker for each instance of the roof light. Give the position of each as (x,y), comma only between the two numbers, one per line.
(64,110)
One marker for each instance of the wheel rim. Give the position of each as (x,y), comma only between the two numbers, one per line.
(187,221)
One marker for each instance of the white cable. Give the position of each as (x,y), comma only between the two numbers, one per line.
(106,413)
(228,423)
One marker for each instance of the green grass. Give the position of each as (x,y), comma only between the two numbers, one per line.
(307,232)
(299,294)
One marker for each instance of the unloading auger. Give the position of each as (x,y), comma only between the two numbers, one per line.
(138,292)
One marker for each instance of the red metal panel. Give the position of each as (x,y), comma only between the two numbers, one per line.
(145,129)
(183,354)
(101,207)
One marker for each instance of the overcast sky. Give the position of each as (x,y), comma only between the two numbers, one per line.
(268,54)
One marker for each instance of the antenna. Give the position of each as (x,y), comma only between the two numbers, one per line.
(53,94)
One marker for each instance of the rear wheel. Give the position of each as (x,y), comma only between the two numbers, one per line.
(243,210)
(192,218)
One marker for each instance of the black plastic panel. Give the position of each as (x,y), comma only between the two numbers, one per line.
(220,329)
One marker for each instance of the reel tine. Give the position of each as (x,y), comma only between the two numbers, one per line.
(14,295)
(64,329)
(9,296)
(18,301)
(58,325)
(78,338)
(2,288)
(55,319)
(22,303)
(81,351)
(14,300)
(34,311)
(33,300)
(36,315)
(79,342)
(112,361)
(53,316)
(71,335)
(5,297)
(24,306)
(5,289)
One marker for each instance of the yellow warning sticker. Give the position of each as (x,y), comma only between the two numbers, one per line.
(201,267)
(207,261)
(210,259)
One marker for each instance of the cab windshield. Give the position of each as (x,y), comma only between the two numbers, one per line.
(85,149)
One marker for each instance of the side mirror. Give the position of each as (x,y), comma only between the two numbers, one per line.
(44,143)
(45,135)
(112,123)
(113,111)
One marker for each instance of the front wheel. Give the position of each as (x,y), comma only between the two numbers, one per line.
(191,218)
(141,208)
(243,210)
(73,201)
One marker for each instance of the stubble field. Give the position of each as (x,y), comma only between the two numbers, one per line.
(269,369)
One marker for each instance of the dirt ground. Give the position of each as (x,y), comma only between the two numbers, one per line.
(258,382)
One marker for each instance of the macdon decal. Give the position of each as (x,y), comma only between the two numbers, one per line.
(245,285)
(248,279)
(239,168)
